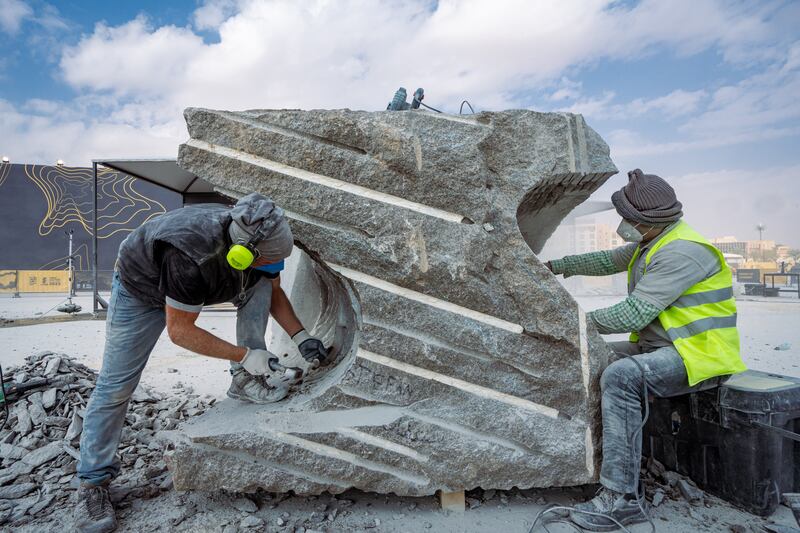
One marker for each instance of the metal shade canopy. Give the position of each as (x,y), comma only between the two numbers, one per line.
(161,172)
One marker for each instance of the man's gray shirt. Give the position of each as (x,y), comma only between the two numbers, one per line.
(673,269)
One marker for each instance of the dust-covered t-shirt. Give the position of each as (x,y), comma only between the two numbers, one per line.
(673,269)
(183,285)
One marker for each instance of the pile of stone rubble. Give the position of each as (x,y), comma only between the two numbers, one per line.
(39,441)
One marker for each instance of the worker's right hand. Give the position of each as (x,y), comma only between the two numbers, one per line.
(548,265)
(256,361)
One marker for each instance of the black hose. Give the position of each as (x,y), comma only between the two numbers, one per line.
(639,497)
(461,109)
(429,107)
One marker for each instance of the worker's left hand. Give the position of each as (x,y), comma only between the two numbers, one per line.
(310,348)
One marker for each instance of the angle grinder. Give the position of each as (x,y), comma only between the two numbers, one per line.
(292,368)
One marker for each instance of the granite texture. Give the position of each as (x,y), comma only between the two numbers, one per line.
(460,360)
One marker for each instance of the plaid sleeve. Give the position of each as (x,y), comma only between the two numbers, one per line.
(631,314)
(591,264)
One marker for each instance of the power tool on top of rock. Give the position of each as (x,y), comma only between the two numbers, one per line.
(399,103)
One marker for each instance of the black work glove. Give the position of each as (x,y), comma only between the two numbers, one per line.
(310,347)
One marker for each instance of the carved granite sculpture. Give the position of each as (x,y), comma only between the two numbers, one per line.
(460,360)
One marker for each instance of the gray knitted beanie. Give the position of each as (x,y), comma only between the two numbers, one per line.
(647,199)
(254,212)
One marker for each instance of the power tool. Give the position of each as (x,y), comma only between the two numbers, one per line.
(291,369)
(399,103)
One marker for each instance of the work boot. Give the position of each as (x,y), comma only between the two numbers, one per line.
(94,512)
(249,388)
(621,507)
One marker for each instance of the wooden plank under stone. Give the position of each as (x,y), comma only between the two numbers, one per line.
(452,501)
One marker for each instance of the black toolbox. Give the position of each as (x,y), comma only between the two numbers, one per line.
(738,441)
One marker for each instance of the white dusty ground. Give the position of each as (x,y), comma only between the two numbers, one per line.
(765,323)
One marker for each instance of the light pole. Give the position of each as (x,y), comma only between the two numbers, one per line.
(760,229)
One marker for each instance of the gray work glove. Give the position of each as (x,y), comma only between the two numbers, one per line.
(310,348)
(256,361)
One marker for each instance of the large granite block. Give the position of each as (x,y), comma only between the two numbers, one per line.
(461,361)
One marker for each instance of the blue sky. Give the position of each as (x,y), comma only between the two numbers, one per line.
(705,93)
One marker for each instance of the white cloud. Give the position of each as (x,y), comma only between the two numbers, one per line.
(213,13)
(48,131)
(12,13)
(762,107)
(632,144)
(733,201)
(355,53)
(676,103)
(567,90)
(132,59)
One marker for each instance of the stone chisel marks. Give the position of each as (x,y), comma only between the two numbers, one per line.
(428,300)
(326,181)
(342,455)
(453,342)
(471,388)
(382,443)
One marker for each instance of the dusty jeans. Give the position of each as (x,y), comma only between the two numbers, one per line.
(132,329)
(622,404)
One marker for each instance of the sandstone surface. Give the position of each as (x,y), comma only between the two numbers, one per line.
(460,360)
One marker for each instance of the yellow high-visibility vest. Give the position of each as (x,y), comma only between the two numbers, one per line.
(702,322)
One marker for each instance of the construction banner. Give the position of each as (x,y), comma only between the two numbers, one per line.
(8,281)
(43,281)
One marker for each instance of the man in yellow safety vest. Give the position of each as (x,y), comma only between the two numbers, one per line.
(681,316)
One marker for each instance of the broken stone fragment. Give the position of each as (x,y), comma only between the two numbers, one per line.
(35,408)
(44,454)
(51,369)
(689,491)
(250,522)
(49,398)
(14,471)
(35,358)
(24,423)
(245,505)
(17,490)
(8,451)
(21,507)
(42,505)
(658,497)
(58,421)
(75,428)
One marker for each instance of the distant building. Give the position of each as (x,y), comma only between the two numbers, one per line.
(759,246)
(730,245)
(747,249)
(591,236)
(585,235)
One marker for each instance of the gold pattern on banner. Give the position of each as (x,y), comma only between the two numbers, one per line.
(5,169)
(80,260)
(68,195)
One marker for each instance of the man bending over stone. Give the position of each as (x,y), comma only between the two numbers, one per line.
(681,314)
(166,271)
